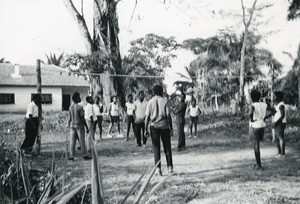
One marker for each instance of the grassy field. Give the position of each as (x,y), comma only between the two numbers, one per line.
(216,167)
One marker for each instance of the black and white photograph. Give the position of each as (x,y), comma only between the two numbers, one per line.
(150,101)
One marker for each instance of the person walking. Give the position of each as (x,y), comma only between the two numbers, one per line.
(140,106)
(280,123)
(194,112)
(114,113)
(258,116)
(180,120)
(160,121)
(129,107)
(91,120)
(31,124)
(98,109)
(77,123)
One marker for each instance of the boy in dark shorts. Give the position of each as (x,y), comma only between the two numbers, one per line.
(258,115)
(194,112)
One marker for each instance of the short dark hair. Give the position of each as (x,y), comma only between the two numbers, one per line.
(158,90)
(76,97)
(112,97)
(141,92)
(279,95)
(129,95)
(255,95)
(89,99)
(193,99)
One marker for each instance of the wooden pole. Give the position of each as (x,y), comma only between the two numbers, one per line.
(40,117)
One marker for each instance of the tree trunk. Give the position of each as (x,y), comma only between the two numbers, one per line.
(298,91)
(40,113)
(242,72)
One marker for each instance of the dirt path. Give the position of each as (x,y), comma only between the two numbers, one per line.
(215,168)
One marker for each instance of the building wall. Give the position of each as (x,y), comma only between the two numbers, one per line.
(23,98)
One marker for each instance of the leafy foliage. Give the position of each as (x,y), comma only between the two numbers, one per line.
(293,10)
(52,59)
(217,67)
(148,56)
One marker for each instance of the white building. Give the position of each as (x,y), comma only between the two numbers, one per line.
(18,83)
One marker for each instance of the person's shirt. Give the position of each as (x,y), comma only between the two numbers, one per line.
(158,110)
(89,112)
(32,109)
(76,113)
(129,108)
(115,111)
(97,109)
(194,111)
(278,113)
(260,112)
(140,110)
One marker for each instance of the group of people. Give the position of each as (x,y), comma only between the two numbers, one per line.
(259,112)
(153,118)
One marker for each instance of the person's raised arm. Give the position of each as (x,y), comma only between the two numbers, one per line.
(252,113)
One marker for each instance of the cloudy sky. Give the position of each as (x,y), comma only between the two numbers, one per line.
(31,28)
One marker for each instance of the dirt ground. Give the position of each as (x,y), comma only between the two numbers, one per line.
(216,167)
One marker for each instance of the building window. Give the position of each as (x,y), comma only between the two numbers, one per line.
(46,98)
(7,98)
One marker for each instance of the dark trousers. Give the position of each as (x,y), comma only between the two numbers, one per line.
(279,133)
(130,121)
(256,135)
(99,122)
(30,134)
(181,135)
(164,135)
(140,133)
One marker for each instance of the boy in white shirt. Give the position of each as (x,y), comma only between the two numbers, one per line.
(114,113)
(258,115)
(129,108)
(90,118)
(31,124)
(194,112)
(98,109)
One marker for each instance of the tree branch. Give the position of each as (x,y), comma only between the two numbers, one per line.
(251,13)
(244,18)
(132,13)
(81,25)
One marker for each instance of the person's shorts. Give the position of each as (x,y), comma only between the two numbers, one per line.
(115,119)
(256,134)
(194,119)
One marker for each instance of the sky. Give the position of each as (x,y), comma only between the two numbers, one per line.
(32,28)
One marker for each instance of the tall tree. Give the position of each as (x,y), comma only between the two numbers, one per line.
(246,24)
(149,56)
(105,42)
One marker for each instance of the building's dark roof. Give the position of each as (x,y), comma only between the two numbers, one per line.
(51,76)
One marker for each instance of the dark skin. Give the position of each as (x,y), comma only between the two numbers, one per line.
(78,100)
(271,110)
(37,102)
(282,112)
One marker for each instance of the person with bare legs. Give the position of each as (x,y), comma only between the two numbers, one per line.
(114,113)
(280,123)
(194,112)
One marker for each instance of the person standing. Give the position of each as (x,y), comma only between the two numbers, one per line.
(31,124)
(140,106)
(77,123)
(180,120)
(129,107)
(98,109)
(91,120)
(280,123)
(194,112)
(159,118)
(258,115)
(114,113)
